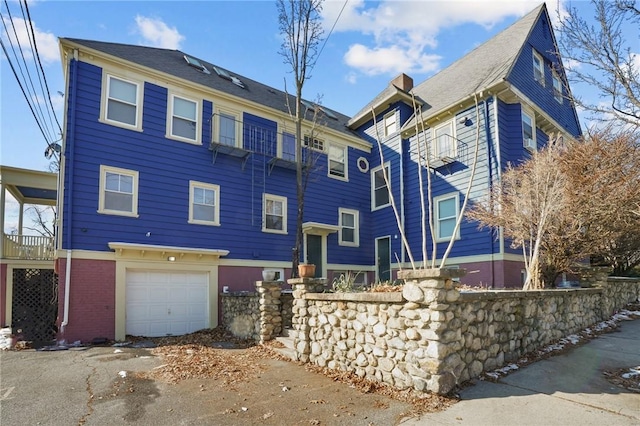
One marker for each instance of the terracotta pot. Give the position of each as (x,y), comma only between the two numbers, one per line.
(306,270)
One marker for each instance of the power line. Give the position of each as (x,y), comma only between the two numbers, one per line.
(37,56)
(26,83)
(331,31)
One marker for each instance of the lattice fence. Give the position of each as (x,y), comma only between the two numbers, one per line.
(35,305)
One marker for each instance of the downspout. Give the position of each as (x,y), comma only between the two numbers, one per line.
(402,253)
(487,129)
(69,153)
(499,172)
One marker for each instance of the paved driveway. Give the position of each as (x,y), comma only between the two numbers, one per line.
(78,387)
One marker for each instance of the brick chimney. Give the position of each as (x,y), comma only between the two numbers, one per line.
(403,82)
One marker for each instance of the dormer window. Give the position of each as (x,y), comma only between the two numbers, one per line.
(538,68)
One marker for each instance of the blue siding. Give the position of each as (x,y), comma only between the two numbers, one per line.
(165,168)
(521,76)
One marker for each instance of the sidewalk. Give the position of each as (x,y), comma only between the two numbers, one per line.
(567,389)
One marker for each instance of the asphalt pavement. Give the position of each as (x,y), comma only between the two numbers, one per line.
(567,389)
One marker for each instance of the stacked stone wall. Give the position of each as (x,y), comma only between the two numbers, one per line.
(432,337)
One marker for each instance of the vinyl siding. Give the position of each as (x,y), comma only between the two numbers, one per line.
(166,166)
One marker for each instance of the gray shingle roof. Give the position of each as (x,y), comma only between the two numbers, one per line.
(482,68)
(172,62)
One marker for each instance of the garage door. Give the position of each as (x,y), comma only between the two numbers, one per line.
(163,303)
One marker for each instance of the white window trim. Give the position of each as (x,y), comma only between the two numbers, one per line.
(453,135)
(373,187)
(317,145)
(436,201)
(170,135)
(345,150)
(238,126)
(104,98)
(538,56)
(103,175)
(356,227)
(557,92)
(195,184)
(386,122)
(529,113)
(283,200)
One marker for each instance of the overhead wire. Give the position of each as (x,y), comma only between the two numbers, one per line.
(330,31)
(26,84)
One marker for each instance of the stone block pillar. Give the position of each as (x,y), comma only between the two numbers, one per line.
(269,305)
(300,319)
(439,367)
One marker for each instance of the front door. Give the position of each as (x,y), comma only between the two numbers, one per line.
(314,253)
(383,259)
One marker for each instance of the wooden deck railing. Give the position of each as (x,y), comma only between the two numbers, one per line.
(31,247)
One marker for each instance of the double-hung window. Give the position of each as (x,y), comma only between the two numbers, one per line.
(445,140)
(538,67)
(121,102)
(390,126)
(349,227)
(528,130)
(274,217)
(227,129)
(288,147)
(338,161)
(379,190)
(183,119)
(557,87)
(446,212)
(204,203)
(118,191)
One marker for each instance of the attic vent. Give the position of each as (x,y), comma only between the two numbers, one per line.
(196,64)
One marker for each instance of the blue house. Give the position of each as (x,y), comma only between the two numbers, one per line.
(497,104)
(179,176)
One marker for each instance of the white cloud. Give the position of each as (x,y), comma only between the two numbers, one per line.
(46,42)
(158,34)
(389,60)
(407,31)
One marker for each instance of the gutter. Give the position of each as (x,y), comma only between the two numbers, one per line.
(69,146)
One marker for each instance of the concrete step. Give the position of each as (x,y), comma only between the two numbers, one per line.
(286,341)
(288,332)
(287,352)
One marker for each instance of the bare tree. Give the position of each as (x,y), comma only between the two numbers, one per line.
(603,175)
(300,26)
(525,204)
(601,56)
(571,201)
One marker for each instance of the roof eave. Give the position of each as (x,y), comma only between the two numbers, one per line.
(383,104)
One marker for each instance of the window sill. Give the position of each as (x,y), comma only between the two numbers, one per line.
(121,125)
(202,222)
(181,139)
(118,213)
(274,231)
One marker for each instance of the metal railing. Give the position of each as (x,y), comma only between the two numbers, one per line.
(32,247)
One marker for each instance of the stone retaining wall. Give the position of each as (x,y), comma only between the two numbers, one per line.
(431,337)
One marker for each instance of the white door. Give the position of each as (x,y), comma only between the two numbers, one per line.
(161,303)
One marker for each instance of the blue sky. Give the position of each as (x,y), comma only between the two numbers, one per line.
(371,43)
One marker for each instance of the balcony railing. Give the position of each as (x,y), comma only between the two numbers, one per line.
(30,247)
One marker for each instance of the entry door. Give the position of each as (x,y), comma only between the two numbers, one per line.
(383,258)
(314,253)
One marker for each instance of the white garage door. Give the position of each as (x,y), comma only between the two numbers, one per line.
(166,303)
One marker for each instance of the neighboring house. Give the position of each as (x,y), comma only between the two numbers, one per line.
(522,98)
(179,176)
(28,284)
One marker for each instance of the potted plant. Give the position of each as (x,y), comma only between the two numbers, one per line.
(307,270)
